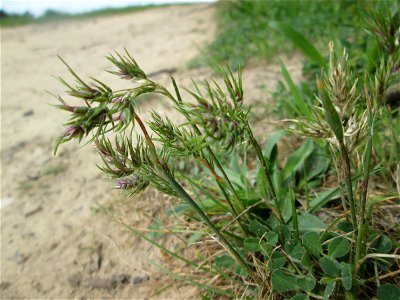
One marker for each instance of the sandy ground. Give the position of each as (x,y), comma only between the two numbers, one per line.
(53,244)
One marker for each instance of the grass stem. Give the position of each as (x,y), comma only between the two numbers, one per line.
(346,168)
(266,173)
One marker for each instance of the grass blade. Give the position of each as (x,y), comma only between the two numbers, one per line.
(301,42)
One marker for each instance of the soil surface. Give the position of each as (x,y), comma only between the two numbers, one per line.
(54,241)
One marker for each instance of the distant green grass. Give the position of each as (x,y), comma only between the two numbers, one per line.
(51,15)
(244,31)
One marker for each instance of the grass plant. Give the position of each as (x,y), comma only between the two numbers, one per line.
(265,225)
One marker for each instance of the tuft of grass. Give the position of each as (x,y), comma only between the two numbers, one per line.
(246,30)
(257,219)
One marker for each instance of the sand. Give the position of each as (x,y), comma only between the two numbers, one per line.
(54,242)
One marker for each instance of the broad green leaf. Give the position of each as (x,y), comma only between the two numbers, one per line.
(297,158)
(266,249)
(347,279)
(252,244)
(240,271)
(330,287)
(283,282)
(388,292)
(286,199)
(381,244)
(306,283)
(306,261)
(285,232)
(294,249)
(345,226)
(329,265)
(312,242)
(300,42)
(338,247)
(300,106)
(257,228)
(309,222)
(276,261)
(225,261)
(271,238)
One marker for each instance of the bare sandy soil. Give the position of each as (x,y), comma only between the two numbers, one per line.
(53,244)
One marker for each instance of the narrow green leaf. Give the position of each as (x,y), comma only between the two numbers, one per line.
(282,282)
(338,247)
(272,141)
(297,158)
(312,242)
(332,117)
(323,198)
(300,105)
(301,42)
(329,265)
(189,281)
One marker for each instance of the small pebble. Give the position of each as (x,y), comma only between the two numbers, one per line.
(28,113)
(121,278)
(99,283)
(5,285)
(75,280)
(140,279)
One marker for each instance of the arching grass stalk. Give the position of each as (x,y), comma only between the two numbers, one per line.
(266,173)
(213,157)
(208,148)
(163,168)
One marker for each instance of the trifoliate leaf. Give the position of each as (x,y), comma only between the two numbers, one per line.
(338,247)
(312,242)
(283,282)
